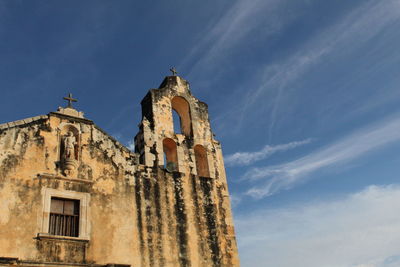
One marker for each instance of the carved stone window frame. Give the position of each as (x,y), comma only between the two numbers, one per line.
(84,211)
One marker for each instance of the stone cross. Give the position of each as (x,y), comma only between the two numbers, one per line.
(173,70)
(70,100)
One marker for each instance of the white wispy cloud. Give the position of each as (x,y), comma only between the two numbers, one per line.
(247,158)
(231,30)
(344,151)
(272,81)
(131,145)
(358,230)
(273,85)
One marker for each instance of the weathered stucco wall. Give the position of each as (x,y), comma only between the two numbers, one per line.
(29,163)
(132,210)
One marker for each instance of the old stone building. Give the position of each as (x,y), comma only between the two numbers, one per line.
(71,195)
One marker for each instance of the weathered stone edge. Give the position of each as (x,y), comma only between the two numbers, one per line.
(12,124)
(21,122)
(117,143)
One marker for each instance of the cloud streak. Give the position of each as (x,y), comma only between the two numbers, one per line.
(359,230)
(344,151)
(351,32)
(247,158)
(230,30)
(131,145)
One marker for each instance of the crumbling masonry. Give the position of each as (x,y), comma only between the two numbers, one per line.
(71,195)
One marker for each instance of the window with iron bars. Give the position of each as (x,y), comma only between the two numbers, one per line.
(64,217)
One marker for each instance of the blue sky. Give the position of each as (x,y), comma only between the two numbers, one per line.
(302,94)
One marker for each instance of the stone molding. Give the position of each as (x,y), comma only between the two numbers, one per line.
(68,179)
(21,122)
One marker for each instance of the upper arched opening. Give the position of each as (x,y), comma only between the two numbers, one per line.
(182,108)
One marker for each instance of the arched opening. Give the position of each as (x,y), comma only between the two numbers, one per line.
(170,155)
(181,106)
(200,154)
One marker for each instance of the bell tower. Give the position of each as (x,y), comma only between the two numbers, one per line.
(190,147)
(188,157)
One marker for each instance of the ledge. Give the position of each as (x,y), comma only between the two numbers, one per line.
(21,122)
(73,118)
(183,174)
(174,172)
(8,260)
(60,238)
(27,263)
(52,176)
(205,177)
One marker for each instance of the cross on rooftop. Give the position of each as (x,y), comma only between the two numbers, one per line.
(70,100)
(173,70)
